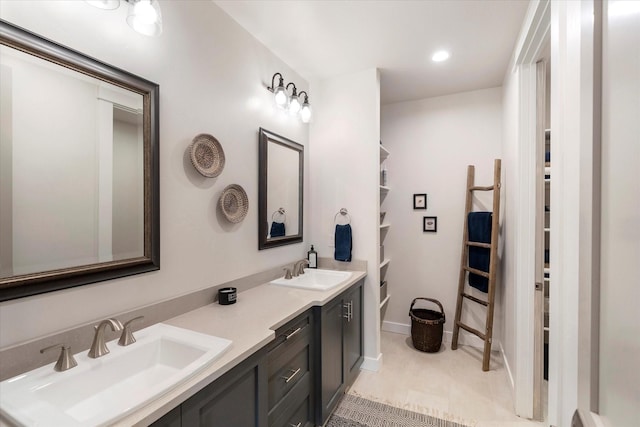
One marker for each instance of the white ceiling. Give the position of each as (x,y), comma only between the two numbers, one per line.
(326,38)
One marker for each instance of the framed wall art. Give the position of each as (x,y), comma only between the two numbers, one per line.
(430,224)
(419,201)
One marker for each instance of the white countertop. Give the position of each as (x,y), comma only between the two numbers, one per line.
(250,323)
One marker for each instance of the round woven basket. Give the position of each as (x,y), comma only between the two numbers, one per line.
(427,326)
(207,155)
(234,203)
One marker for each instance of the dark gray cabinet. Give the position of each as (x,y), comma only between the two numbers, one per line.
(297,379)
(171,419)
(354,343)
(290,363)
(238,399)
(341,348)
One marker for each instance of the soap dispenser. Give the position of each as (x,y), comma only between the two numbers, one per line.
(312,257)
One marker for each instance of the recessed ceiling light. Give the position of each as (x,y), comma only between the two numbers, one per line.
(439,56)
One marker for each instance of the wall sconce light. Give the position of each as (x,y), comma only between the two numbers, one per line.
(290,103)
(305,111)
(279,93)
(294,103)
(144,16)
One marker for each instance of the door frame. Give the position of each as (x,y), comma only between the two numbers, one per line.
(575,31)
(534,39)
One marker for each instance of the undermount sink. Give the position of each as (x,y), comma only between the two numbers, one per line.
(315,279)
(100,391)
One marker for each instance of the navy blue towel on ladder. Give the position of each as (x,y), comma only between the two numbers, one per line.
(479,226)
(343,243)
(277,229)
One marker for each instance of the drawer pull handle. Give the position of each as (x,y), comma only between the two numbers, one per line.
(296,425)
(349,314)
(292,334)
(290,377)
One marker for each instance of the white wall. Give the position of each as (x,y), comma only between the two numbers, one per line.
(619,387)
(510,105)
(128,192)
(344,151)
(283,169)
(431,143)
(54,176)
(212,77)
(6,172)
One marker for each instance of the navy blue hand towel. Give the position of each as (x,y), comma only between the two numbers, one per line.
(479,225)
(277,229)
(343,243)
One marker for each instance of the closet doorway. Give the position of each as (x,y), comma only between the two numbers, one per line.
(532,59)
(543,234)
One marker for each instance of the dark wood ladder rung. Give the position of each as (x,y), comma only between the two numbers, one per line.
(473,331)
(478,300)
(478,272)
(478,244)
(489,188)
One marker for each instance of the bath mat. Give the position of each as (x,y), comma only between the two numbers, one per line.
(356,411)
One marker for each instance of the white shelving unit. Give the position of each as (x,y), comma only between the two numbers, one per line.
(384,229)
(385,301)
(547,234)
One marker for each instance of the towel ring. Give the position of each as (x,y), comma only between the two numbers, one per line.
(281,212)
(344,213)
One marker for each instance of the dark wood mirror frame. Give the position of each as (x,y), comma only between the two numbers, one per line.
(263,219)
(47,281)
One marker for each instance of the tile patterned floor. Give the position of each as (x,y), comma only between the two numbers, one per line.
(449,384)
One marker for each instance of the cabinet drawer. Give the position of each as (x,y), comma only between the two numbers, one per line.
(300,418)
(297,330)
(288,370)
(295,408)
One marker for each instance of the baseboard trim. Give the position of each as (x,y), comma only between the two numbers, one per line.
(397,328)
(508,368)
(371,363)
(464,338)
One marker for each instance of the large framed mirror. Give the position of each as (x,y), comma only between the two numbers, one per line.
(280,190)
(79,168)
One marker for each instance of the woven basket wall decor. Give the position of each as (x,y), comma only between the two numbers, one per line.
(207,155)
(234,203)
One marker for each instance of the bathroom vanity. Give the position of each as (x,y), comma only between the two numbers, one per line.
(294,380)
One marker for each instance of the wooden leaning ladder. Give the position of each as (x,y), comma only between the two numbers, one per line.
(493,264)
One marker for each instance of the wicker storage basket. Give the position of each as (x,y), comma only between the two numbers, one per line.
(426,326)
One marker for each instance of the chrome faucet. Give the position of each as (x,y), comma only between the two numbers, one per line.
(65,360)
(298,267)
(99,347)
(127,337)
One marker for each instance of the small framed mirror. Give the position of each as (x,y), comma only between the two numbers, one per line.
(79,168)
(280,190)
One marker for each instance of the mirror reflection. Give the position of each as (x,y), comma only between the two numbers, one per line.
(282,195)
(72,171)
(78,168)
(281,178)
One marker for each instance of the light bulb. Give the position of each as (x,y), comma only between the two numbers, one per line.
(145,17)
(305,113)
(145,13)
(281,97)
(294,105)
